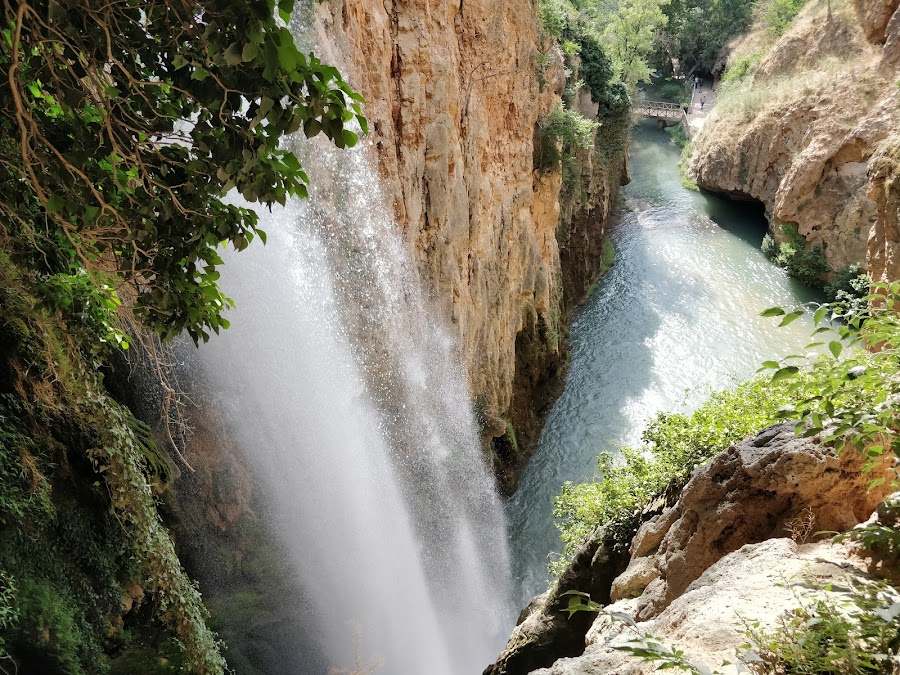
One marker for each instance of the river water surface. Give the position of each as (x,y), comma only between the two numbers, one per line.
(676,317)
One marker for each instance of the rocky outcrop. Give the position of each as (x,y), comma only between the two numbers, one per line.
(874,16)
(545,632)
(884,192)
(757,583)
(744,499)
(756,490)
(453,100)
(802,137)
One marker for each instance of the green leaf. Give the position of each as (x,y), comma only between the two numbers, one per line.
(820,314)
(772,311)
(250,52)
(770,365)
(835,347)
(233,55)
(55,204)
(790,318)
(785,373)
(200,73)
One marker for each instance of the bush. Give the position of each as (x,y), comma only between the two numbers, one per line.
(856,635)
(676,91)
(849,287)
(805,264)
(559,134)
(742,68)
(779,14)
(674,444)
(553,18)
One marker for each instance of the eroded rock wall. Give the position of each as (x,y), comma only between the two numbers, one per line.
(802,139)
(454,99)
(686,559)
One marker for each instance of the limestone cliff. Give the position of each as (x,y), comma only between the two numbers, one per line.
(808,133)
(454,100)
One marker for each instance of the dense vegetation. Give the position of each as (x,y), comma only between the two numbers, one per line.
(847,396)
(696,32)
(122,126)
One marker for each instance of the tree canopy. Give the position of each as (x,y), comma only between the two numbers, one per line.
(123,125)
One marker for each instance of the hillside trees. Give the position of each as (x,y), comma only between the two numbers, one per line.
(630,35)
(697,30)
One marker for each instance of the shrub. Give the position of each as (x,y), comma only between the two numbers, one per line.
(674,444)
(857,635)
(553,18)
(849,287)
(742,68)
(806,264)
(779,14)
(559,134)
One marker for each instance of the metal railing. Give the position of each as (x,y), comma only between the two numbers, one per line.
(660,110)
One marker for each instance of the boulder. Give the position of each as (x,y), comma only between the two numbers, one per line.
(758,582)
(546,633)
(753,491)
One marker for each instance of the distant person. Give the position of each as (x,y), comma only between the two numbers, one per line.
(702,102)
(696,82)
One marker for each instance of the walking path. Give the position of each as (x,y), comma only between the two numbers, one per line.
(696,116)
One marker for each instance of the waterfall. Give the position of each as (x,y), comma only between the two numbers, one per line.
(349,401)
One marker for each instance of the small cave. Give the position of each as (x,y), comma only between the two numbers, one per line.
(739,214)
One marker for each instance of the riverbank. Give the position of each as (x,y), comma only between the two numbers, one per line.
(676,317)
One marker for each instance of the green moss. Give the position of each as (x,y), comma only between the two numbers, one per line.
(77,515)
(805,263)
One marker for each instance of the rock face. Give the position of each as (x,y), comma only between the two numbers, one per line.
(803,139)
(756,490)
(545,631)
(758,582)
(453,101)
(745,499)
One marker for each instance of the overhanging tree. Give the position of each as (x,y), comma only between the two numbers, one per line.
(123,124)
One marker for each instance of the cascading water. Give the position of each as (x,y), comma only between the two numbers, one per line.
(350,404)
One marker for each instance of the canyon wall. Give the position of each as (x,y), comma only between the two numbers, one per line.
(454,98)
(809,133)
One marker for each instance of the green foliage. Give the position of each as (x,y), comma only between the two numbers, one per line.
(124,124)
(680,138)
(87,303)
(77,513)
(849,392)
(607,256)
(674,444)
(676,91)
(697,30)
(629,38)
(859,635)
(880,541)
(742,68)
(849,286)
(779,14)
(804,263)
(553,18)
(559,134)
